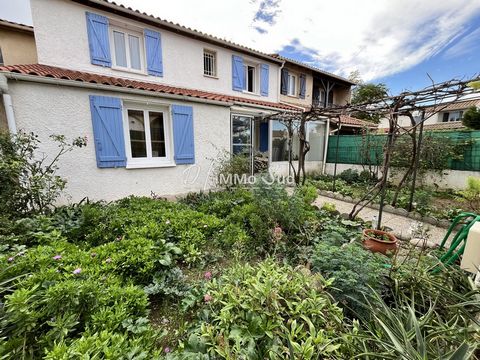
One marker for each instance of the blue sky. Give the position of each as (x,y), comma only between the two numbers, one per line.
(396,41)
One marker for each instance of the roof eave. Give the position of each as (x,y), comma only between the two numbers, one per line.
(163,24)
(315,70)
(19,27)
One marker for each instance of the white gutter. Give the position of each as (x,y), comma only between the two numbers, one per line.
(7,103)
(327,135)
(112,88)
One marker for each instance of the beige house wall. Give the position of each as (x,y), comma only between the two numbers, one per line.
(295,100)
(17,46)
(341,95)
(3,117)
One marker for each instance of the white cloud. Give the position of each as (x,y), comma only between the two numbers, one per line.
(377,37)
(466,46)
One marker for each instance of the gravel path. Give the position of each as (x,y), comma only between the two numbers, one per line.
(399,224)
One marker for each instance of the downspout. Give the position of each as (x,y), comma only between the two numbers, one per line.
(7,103)
(327,136)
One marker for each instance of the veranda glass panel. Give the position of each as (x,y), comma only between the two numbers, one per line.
(316,138)
(279,141)
(241,135)
(136,125)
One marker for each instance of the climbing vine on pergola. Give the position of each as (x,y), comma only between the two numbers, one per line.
(425,102)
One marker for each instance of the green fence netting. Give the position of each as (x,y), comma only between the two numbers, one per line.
(368,149)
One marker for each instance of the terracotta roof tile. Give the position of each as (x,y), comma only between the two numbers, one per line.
(452,125)
(354,122)
(66,74)
(459,105)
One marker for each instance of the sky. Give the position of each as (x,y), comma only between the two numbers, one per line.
(402,43)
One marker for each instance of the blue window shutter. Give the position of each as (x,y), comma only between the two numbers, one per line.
(263,137)
(284,82)
(264,80)
(108,131)
(302,86)
(182,117)
(98,40)
(238,79)
(153,46)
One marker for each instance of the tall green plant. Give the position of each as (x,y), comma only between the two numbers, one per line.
(28,179)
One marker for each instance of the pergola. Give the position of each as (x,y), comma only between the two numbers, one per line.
(425,103)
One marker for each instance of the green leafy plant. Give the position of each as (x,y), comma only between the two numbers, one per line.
(29,181)
(354,271)
(266,311)
(472,193)
(471,118)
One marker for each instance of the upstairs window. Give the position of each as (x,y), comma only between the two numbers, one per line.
(209,63)
(1,57)
(250,73)
(127,49)
(292,85)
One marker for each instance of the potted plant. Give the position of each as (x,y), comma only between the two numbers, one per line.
(379,241)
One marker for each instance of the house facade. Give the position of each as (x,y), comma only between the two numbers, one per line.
(158,102)
(17,44)
(446,117)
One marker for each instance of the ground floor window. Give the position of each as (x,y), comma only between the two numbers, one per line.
(147,135)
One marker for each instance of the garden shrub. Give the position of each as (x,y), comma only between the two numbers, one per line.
(423,316)
(355,272)
(171,284)
(472,193)
(350,176)
(29,181)
(108,345)
(266,311)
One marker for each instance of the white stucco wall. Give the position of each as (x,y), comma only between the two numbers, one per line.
(451,179)
(61,38)
(405,121)
(49,109)
(282,168)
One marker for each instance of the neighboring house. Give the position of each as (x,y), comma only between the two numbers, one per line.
(449,117)
(307,86)
(17,44)
(157,101)
(349,125)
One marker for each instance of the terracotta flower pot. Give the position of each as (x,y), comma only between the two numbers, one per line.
(373,244)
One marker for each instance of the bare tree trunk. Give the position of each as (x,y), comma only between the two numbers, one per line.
(411,166)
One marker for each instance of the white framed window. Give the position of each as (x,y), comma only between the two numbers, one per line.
(452,116)
(148,136)
(292,85)
(209,63)
(250,78)
(128,49)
